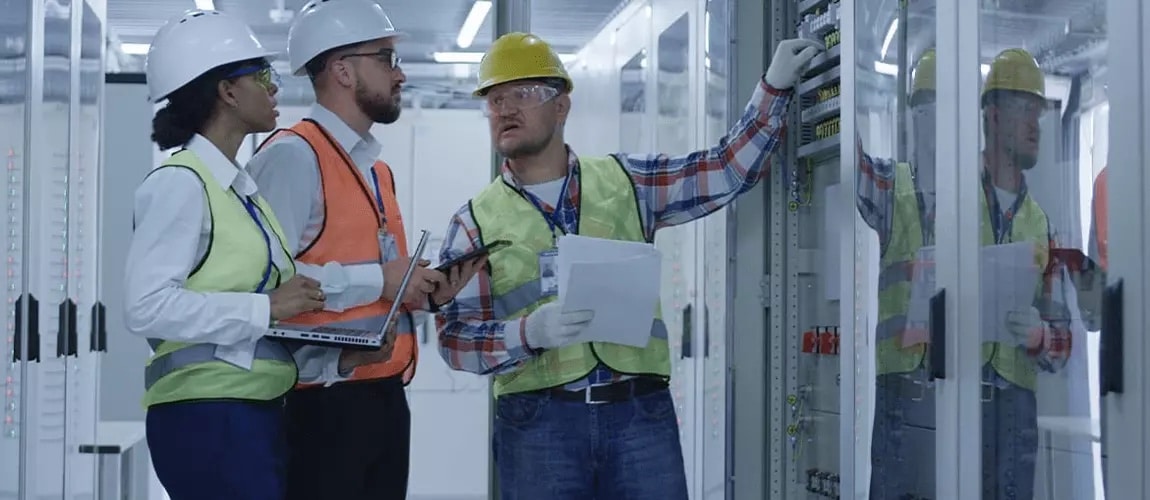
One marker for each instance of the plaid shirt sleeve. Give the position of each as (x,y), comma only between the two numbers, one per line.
(874,193)
(471,338)
(1055,349)
(678,189)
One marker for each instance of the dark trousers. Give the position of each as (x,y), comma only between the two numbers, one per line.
(349,441)
(222,450)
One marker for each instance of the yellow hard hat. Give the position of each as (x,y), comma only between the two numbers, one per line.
(1015,69)
(923,77)
(519,56)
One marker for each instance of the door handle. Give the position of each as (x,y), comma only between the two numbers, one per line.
(706,331)
(937,322)
(98,335)
(66,333)
(685,348)
(33,316)
(1110,341)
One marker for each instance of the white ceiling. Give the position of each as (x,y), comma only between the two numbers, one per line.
(432,24)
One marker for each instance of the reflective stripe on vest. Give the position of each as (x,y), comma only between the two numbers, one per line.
(1010,362)
(234,262)
(608,209)
(350,236)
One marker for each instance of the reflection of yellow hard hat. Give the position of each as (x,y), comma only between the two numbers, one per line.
(519,56)
(923,77)
(1015,69)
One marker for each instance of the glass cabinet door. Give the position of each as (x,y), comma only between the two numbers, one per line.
(675,134)
(888,263)
(84,311)
(1029,192)
(712,428)
(13,155)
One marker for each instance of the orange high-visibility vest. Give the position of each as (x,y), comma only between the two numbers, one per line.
(1101,221)
(350,236)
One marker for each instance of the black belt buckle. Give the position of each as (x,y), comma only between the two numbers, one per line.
(604,393)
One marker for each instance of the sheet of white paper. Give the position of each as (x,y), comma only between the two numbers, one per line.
(1009,281)
(618,280)
(574,248)
(622,293)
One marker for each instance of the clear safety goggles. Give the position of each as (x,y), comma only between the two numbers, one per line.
(515,99)
(384,55)
(264,75)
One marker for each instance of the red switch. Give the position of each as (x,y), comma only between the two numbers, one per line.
(827,342)
(810,342)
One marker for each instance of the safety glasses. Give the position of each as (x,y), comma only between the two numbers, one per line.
(264,75)
(386,56)
(521,98)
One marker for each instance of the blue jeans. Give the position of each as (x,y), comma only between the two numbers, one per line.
(567,450)
(903,444)
(219,450)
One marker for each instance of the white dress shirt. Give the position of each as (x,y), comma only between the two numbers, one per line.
(172,231)
(287,172)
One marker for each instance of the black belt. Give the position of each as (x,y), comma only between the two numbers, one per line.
(610,393)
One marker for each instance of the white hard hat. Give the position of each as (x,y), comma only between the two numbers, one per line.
(194,43)
(326,24)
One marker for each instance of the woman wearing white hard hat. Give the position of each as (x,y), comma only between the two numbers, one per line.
(208,272)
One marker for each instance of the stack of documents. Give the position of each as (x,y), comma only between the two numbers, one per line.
(618,280)
(1010,277)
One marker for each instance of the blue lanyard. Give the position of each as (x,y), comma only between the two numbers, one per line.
(553,219)
(379,197)
(1003,223)
(925,219)
(251,207)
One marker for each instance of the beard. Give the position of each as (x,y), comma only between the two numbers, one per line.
(380,109)
(528,148)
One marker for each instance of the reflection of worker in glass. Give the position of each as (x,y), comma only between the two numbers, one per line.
(895,200)
(1099,227)
(578,420)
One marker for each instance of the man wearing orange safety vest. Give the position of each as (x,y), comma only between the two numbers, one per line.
(348,439)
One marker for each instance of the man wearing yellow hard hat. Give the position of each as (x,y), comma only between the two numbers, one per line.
(897,200)
(1037,337)
(583,420)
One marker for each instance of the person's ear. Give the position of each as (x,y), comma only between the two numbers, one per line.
(227,92)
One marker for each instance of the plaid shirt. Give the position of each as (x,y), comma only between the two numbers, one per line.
(671,190)
(875,202)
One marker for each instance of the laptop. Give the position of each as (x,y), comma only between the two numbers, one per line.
(363,339)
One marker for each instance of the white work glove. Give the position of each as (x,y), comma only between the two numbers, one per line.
(1026,326)
(790,62)
(549,327)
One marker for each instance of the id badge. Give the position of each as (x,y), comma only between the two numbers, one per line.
(548,274)
(388,249)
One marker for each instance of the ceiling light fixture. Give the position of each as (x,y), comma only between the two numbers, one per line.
(475,57)
(474,21)
(205,5)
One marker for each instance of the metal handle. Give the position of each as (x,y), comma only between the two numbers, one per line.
(706,331)
(98,335)
(66,332)
(33,316)
(685,348)
(937,322)
(1110,341)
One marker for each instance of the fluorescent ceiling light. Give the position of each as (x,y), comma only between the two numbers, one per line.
(205,5)
(136,49)
(475,57)
(892,69)
(471,25)
(889,37)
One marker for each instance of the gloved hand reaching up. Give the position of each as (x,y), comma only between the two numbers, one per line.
(549,327)
(790,62)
